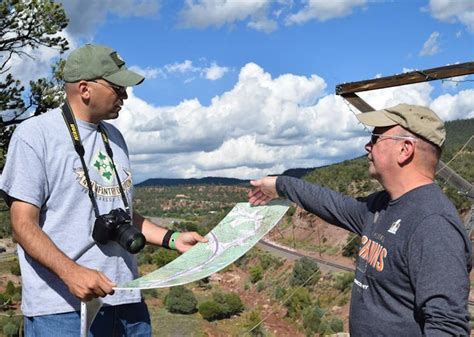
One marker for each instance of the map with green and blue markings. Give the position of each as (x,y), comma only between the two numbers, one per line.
(238,232)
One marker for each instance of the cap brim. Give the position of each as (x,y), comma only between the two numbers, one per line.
(125,78)
(376,118)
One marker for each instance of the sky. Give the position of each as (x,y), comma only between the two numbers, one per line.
(246,88)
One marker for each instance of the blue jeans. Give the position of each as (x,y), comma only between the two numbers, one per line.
(130,320)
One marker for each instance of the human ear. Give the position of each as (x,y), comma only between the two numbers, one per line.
(407,152)
(84,90)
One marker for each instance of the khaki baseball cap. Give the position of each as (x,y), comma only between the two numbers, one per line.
(91,62)
(415,118)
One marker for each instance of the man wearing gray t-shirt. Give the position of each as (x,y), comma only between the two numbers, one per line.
(412,273)
(56,193)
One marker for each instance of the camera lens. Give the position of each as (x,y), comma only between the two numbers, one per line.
(130,238)
(137,244)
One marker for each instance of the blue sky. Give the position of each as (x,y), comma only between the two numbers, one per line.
(246,88)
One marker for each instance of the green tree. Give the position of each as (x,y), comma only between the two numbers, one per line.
(256,274)
(297,302)
(27,25)
(312,319)
(305,271)
(181,300)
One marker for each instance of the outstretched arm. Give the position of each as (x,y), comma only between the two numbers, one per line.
(82,282)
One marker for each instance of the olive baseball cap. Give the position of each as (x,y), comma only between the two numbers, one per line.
(91,62)
(415,118)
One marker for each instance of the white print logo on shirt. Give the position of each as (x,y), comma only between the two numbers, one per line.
(360,284)
(394,227)
(101,191)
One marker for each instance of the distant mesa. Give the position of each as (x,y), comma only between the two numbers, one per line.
(298,172)
(193,181)
(295,172)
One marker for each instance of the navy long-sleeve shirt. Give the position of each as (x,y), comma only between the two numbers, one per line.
(412,275)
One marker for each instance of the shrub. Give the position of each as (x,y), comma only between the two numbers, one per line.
(222,306)
(164,256)
(256,274)
(312,319)
(181,300)
(305,271)
(298,302)
(210,310)
(260,286)
(280,292)
(15,269)
(267,260)
(230,302)
(10,289)
(251,320)
(10,329)
(325,328)
(16,297)
(337,325)
(344,281)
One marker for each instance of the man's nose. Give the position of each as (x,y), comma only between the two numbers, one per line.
(368,146)
(123,94)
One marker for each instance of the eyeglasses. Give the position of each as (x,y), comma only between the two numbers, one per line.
(375,137)
(120,91)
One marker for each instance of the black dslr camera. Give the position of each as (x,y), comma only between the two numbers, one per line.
(117,226)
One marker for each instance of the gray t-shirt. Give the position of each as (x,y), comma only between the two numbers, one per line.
(43,169)
(412,275)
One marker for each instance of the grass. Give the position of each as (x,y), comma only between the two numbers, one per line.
(167,324)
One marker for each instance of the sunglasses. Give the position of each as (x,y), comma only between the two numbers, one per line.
(120,91)
(374,137)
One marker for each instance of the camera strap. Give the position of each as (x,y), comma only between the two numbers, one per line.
(76,140)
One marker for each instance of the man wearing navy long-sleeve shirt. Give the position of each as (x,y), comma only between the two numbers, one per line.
(412,275)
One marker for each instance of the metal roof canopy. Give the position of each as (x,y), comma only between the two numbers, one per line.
(348,92)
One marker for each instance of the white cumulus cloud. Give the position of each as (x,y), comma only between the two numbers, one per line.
(214,72)
(263,125)
(186,68)
(431,46)
(205,13)
(454,11)
(324,10)
(458,106)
